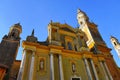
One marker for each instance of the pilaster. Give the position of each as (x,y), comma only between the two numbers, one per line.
(32,66)
(61,68)
(22,66)
(88,69)
(96,76)
(51,66)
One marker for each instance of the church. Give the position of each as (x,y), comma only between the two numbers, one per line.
(67,54)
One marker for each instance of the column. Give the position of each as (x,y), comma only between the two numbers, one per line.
(22,65)
(108,71)
(51,67)
(94,70)
(104,70)
(61,68)
(88,69)
(32,66)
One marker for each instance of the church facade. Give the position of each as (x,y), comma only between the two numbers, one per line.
(67,54)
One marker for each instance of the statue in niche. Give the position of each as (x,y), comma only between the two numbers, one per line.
(73,67)
(41,64)
(83,41)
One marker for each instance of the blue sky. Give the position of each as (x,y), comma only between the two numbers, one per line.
(36,14)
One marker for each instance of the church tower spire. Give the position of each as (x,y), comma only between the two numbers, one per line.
(115,44)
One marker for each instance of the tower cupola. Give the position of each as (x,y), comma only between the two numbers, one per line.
(81,17)
(115,44)
(16,26)
(114,41)
(15,31)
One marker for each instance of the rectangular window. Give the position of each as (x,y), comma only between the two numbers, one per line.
(76,79)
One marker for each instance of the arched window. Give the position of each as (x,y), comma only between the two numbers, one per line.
(69,46)
(13,34)
(115,43)
(75,47)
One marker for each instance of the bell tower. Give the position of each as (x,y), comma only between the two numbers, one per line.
(14,33)
(116,45)
(9,46)
(94,41)
(82,17)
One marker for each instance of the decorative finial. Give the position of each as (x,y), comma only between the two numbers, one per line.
(31,38)
(111,36)
(32,33)
(17,23)
(78,11)
(51,21)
